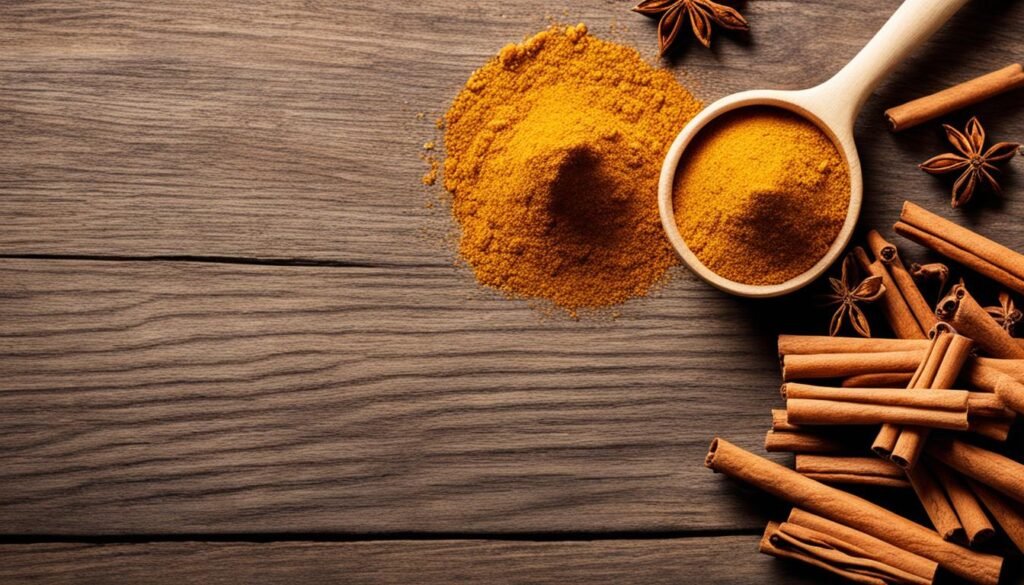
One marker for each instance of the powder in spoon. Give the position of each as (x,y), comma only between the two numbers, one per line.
(760,195)
(553,152)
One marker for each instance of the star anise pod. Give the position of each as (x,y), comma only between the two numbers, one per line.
(847,296)
(934,272)
(1007,315)
(701,14)
(974,164)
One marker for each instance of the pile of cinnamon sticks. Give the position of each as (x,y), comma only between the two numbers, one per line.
(929,411)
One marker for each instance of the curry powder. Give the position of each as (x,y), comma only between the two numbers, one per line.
(553,153)
(760,195)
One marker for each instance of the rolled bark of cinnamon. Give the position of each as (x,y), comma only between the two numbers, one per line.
(891,380)
(992,469)
(805,344)
(830,412)
(851,511)
(853,562)
(1008,514)
(981,374)
(910,443)
(987,405)
(781,423)
(1011,393)
(923,377)
(854,470)
(983,404)
(819,405)
(890,258)
(820,344)
(800,442)
(895,307)
(872,547)
(977,528)
(994,429)
(954,98)
(965,315)
(1012,368)
(974,251)
(842,365)
(938,507)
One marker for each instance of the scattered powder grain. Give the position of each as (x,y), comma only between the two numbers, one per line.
(553,150)
(760,195)
(430,177)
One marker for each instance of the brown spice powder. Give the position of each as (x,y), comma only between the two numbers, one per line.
(554,149)
(760,195)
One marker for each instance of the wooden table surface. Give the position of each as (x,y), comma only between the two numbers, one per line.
(236,345)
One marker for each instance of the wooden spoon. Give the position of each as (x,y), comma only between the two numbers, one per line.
(833,106)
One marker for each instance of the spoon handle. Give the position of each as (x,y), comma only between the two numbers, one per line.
(911,25)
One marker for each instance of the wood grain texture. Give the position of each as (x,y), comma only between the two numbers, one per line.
(386,393)
(288,128)
(155,397)
(619,562)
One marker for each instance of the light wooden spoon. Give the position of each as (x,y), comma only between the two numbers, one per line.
(833,106)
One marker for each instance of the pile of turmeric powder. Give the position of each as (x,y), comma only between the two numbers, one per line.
(553,152)
(760,195)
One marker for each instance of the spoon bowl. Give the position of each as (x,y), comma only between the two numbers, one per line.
(832,107)
(792,101)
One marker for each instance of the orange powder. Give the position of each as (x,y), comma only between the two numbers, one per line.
(760,195)
(553,152)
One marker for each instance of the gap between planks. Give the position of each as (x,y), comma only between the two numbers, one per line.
(15,539)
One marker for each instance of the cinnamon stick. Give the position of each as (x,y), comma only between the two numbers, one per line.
(870,546)
(781,423)
(842,365)
(910,443)
(965,315)
(890,380)
(819,405)
(833,554)
(988,374)
(854,470)
(1008,514)
(954,98)
(994,429)
(800,442)
(781,545)
(974,251)
(992,469)
(981,374)
(890,258)
(1012,368)
(1011,392)
(804,344)
(977,528)
(933,498)
(923,377)
(895,307)
(851,511)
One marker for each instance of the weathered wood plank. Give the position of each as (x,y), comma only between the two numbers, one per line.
(719,560)
(156,397)
(289,128)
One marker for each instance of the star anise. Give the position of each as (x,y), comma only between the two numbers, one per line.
(975,166)
(847,297)
(1007,315)
(701,13)
(934,272)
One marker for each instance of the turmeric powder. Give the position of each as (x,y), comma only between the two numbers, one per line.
(760,195)
(553,152)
